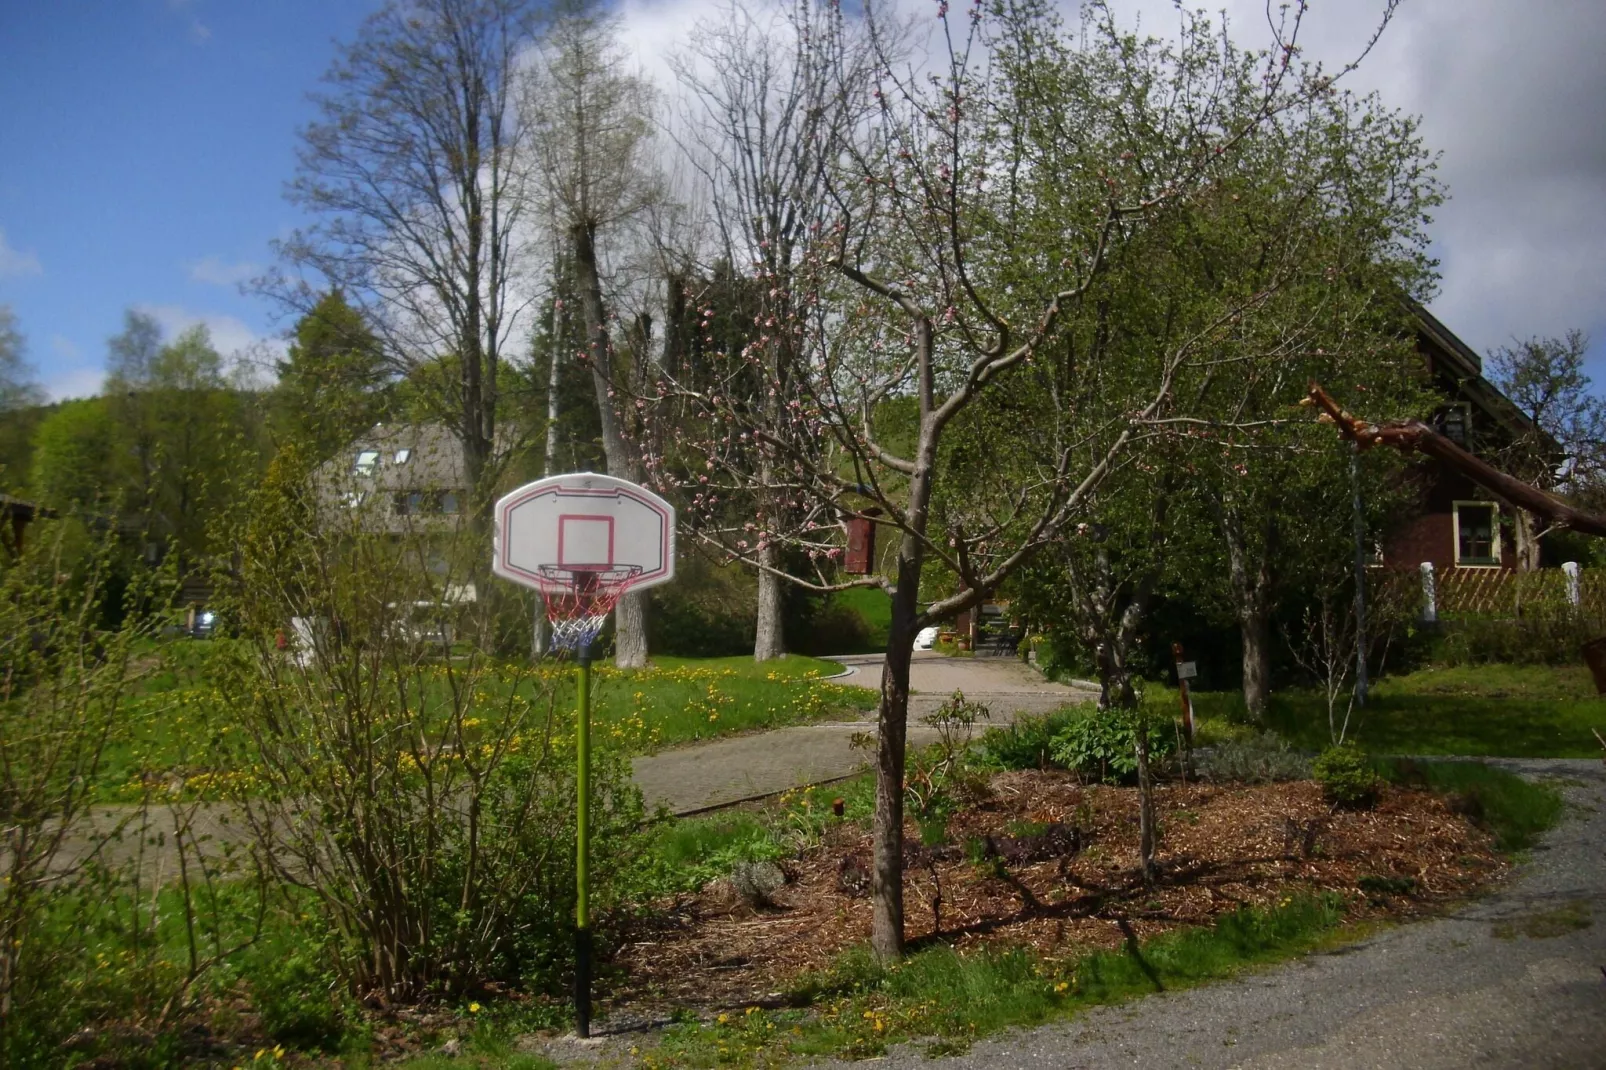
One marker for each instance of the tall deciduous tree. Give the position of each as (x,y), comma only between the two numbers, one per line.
(417,173)
(973,218)
(591,120)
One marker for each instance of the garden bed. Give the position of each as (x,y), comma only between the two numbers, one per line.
(1042,862)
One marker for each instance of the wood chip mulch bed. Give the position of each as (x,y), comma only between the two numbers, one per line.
(1062,880)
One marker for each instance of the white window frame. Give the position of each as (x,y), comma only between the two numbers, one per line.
(1494,533)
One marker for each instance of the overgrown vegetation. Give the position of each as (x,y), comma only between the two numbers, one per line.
(1513,711)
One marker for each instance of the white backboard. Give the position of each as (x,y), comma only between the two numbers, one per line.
(580,520)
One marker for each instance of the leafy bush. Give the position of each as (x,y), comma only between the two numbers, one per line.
(424,798)
(683,855)
(1346,776)
(835,628)
(1027,743)
(1102,744)
(1539,640)
(1253,760)
(693,628)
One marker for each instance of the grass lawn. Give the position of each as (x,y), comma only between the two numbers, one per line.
(681,700)
(1512,711)
(875,607)
(172,715)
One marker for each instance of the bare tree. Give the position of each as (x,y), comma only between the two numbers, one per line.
(593,138)
(1561,448)
(417,173)
(776,92)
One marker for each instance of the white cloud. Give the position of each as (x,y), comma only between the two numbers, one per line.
(1509,92)
(1510,95)
(230,336)
(214,271)
(74,383)
(15,262)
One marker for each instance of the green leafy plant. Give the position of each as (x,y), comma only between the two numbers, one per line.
(1102,744)
(1253,760)
(1346,776)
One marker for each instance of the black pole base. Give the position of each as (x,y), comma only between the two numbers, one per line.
(582,983)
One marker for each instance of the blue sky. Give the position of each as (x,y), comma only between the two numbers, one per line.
(144,147)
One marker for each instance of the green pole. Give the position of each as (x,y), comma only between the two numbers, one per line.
(582,849)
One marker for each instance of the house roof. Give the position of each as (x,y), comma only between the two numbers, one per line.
(1450,356)
(17,509)
(388,462)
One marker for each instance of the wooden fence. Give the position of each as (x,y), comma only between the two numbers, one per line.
(1491,594)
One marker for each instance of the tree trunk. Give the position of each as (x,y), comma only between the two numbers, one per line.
(1255,629)
(630,631)
(1526,540)
(1145,804)
(770,641)
(892,719)
(892,722)
(630,616)
(1249,578)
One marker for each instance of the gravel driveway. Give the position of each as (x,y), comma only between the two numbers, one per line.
(1516,979)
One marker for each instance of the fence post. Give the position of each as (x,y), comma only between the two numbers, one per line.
(1430,605)
(1575,591)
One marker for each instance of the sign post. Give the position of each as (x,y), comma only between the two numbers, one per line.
(582,846)
(583,540)
(1186,670)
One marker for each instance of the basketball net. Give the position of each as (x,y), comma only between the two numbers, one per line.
(579,598)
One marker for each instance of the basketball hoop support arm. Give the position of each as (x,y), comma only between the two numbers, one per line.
(582,846)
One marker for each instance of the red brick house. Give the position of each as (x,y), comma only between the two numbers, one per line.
(1461,524)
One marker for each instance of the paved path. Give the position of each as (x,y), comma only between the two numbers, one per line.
(1508,981)
(686,779)
(725,771)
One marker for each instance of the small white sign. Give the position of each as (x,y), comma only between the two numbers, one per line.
(1187,670)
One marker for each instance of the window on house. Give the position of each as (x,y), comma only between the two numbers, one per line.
(412,503)
(402,455)
(1454,424)
(448,502)
(1477,538)
(353,498)
(366,460)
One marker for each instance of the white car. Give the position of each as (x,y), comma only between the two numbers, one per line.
(926,638)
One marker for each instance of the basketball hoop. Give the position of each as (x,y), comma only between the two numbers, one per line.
(583,540)
(579,598)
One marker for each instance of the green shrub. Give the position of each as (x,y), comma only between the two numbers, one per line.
(1103,743)
(683,855)
(1346,776)
(1540,640)
(1255,759)
(1027,743)
(835,628)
